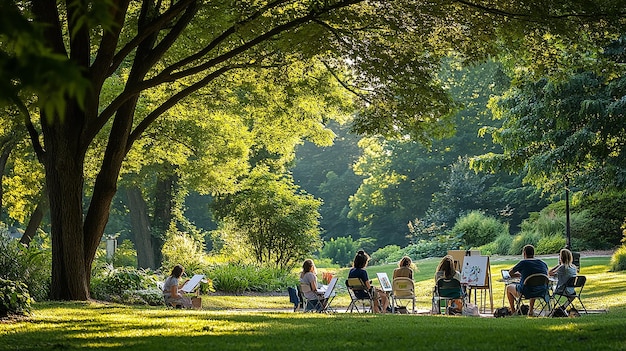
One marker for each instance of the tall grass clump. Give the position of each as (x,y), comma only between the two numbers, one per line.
(618,260)
(523,239)
(240,278)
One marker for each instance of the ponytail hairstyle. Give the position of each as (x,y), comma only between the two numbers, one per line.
(361,259)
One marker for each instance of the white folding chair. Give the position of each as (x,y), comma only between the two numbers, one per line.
(402,289)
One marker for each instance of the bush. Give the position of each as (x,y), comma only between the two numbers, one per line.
(381,256)
(14,298)
(111,283)
(437,247)
(183,249)
(341,250)
(605,214)
(29,265)
(550,244)
(152,297)
(477,229)
(500,246)
(521,240)
(236,278)
(618,260)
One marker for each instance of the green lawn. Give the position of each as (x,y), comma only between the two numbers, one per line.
(67,326)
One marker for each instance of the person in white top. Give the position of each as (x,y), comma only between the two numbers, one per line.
(564,271)
(171,289)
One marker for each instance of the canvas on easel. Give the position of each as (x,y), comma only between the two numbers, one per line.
(474,270)
(476,275)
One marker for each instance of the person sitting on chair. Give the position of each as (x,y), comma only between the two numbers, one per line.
(358,271)
(446,270)
(405,268)
(529,265)
(563,271)
(309,276)
(171,293)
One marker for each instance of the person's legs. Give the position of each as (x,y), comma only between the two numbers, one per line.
(512,294)
(531,305)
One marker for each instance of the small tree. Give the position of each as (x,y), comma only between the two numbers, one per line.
(280,224)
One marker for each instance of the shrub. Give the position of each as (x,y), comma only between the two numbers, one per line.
(341,250)
(182,248)
(111,283)
(478,229)
(152,297)
(437,247)
(605,214)
(381,255)
(521,240)
(29,265)
(550,244)
(618,260)
(14,298)
(237,278)
(500,246)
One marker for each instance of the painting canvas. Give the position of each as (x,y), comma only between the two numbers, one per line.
(475,270)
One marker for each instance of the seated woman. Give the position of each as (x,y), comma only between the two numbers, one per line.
(379,297)
(445,270)
(171,292)
(405,268)
(308,283)
(563,271)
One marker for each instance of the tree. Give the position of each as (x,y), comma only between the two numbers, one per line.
(281,225)
(377,49)
(560,132)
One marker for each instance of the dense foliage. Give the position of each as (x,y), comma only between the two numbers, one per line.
(28,265)
(14,298)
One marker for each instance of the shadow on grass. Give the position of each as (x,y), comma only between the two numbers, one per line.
(70,326)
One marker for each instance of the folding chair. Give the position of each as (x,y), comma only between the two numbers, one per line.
(445,291)
(329,296)
(535,286)
(359,293)
(402,289)
(578,283)
(309,305)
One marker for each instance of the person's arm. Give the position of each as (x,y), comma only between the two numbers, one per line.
(514,272)
(553,271)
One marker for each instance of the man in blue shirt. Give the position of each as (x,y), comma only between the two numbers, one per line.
(529,265)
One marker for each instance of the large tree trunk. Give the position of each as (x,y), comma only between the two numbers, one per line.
(163,204)
(64,180)
(140,224)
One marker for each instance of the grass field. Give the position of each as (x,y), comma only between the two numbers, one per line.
(220,326)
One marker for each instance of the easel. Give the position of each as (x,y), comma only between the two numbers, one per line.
(482,262)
